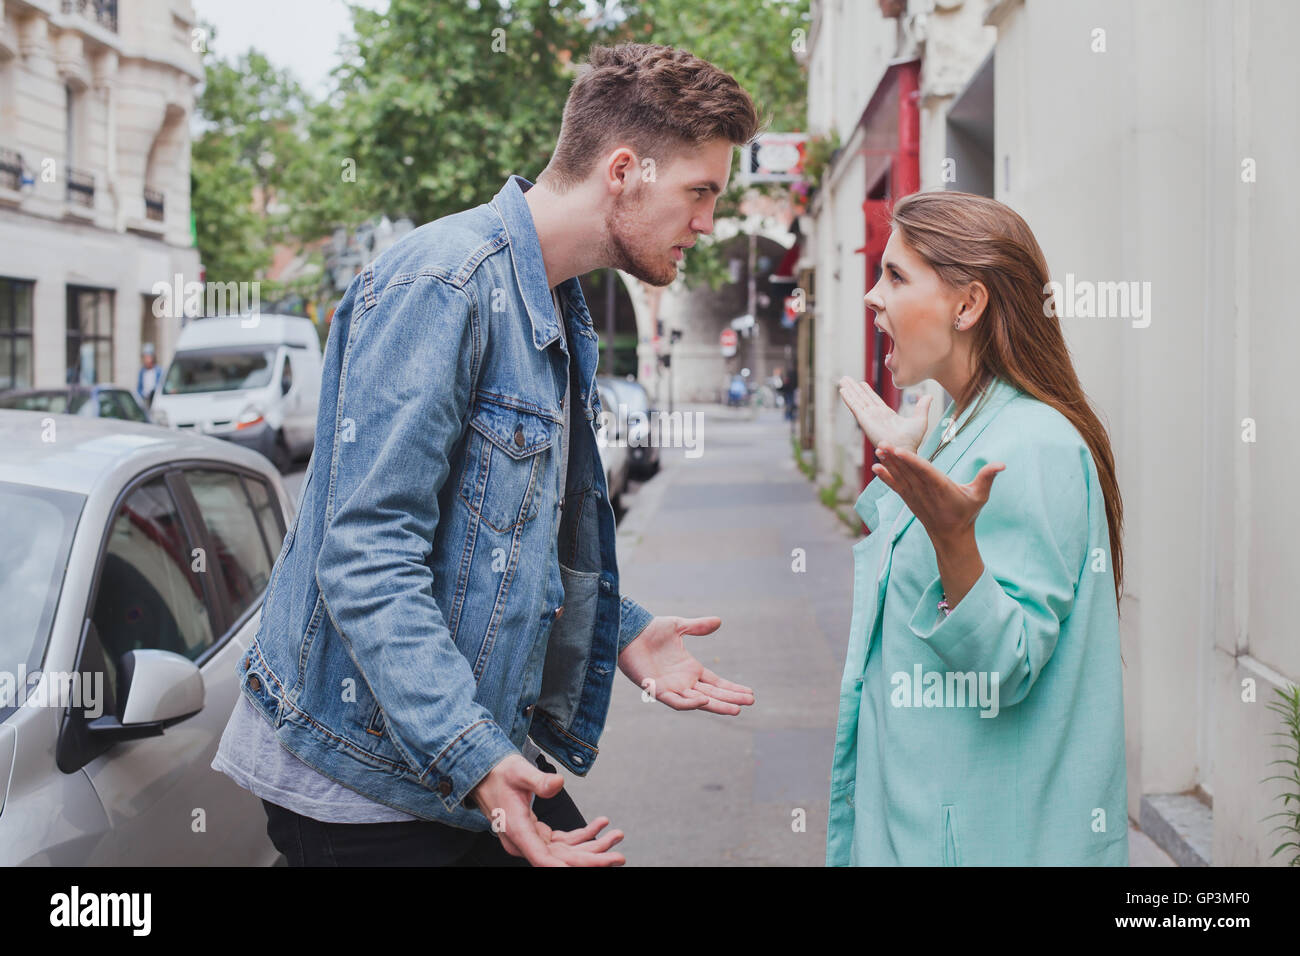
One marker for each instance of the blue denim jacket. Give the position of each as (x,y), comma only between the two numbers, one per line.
(436,601)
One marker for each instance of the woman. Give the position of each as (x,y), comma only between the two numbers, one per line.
(981,711)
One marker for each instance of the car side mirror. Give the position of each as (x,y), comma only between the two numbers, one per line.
(156,689)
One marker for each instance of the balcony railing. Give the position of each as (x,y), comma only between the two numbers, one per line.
(11,169)
(81,187)
(102,12)
(153,204)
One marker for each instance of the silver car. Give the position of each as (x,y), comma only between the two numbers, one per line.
(133,560)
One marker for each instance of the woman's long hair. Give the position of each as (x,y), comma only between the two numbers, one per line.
(967,238)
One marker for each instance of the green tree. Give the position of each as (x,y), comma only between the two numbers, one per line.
(754,41)
(247,163)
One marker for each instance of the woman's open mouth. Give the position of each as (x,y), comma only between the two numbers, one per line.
(889,345)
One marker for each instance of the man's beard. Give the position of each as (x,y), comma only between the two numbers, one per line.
(626,255)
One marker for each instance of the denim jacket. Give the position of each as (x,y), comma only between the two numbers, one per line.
(436,600)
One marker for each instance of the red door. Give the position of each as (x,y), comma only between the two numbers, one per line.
(901,176)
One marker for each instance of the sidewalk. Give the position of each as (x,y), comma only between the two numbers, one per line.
(716,535)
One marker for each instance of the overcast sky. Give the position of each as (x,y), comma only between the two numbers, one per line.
(299,35)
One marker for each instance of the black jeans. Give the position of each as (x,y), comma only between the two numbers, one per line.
(308,842)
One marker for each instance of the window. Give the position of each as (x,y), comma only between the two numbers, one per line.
(267,509)
(90,335)
(126,407)
(31,575)
(239,549)
(16,333)
(148,595)
(219,370)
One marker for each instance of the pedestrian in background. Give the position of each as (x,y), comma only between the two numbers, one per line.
(146,382)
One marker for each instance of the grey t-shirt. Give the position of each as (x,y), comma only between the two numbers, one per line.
(252,756)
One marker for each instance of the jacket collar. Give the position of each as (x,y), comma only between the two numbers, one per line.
(971,422)
(530,268)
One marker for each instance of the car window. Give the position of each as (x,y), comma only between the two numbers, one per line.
(107,405)
(240,550)
(127,407)
(266,508)
(219,369)
(36,528)
(150,593)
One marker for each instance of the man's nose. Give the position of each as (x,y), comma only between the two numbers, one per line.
(703,223)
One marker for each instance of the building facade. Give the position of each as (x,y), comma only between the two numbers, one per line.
(1151,148)
(96,100)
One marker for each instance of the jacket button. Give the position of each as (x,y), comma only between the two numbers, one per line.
(519,436)
(559,610)
(528,711)
(254,683)
(444,786)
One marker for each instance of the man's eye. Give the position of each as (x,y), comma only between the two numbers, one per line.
(700,191)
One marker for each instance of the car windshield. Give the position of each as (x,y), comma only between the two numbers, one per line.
(36,526)
(60,403)
(219,370)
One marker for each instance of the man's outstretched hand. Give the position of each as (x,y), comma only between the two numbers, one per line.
(505,796)
(657,661)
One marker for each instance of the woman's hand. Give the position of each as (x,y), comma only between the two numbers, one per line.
(880,423)
(945,509)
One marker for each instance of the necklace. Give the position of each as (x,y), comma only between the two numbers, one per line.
(952,429)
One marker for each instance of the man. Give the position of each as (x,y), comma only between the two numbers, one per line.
(147,380)
(446,604)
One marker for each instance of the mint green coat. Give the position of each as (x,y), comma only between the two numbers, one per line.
(994,736)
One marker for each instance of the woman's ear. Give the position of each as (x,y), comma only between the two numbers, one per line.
(971,305)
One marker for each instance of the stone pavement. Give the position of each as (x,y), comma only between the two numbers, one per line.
(716,534)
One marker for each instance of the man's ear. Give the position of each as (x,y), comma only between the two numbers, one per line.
(621,171)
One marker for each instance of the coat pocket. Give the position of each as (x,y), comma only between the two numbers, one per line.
(951,842)
(505,464)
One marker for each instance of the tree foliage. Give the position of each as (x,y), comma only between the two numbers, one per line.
(436,102)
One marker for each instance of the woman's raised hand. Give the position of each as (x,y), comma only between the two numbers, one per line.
(946,509)
(881,424)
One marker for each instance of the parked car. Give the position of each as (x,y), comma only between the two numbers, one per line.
(135,558)
(612,447)
(642,425)
(251,380)
(90,401)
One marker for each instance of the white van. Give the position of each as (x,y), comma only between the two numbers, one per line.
(252,379)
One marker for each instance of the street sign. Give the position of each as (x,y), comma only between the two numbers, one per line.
(728,342)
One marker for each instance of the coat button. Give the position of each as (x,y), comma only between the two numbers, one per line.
(519,436)
(254,683)
(444,786)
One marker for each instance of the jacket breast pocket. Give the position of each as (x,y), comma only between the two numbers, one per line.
(506,460)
